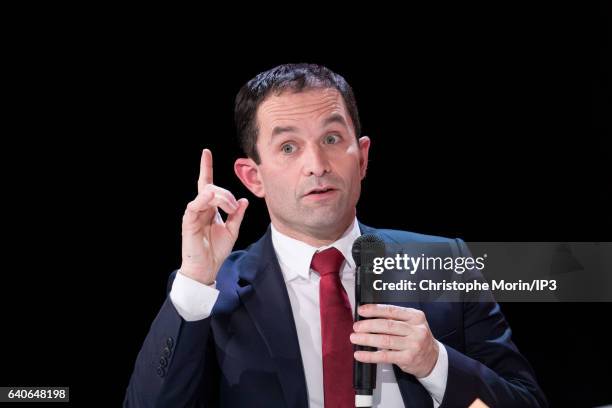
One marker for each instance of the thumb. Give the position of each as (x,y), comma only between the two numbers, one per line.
(235,219)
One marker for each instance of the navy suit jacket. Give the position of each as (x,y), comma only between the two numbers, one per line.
(246,354)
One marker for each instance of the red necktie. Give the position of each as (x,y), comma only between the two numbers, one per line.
(336,327)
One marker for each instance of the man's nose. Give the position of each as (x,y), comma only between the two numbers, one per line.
(316,162)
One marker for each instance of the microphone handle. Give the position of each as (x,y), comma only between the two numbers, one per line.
(364,374)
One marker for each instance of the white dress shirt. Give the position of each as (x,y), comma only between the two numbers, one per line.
(194,301)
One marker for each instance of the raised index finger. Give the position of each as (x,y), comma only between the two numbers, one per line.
(206,170)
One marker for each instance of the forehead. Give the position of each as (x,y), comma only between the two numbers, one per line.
(312,105)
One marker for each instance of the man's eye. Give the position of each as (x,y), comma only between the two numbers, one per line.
(332,139)
(288,148)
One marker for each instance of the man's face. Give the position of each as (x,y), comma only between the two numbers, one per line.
(311,163)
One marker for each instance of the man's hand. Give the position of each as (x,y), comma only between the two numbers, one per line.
(402,335)
(207,240)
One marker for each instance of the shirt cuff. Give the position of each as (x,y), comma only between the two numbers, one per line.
(192,300)
(435,382)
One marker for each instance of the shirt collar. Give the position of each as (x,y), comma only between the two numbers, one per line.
(295,256)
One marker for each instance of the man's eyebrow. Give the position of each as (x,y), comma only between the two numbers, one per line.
(335,118)
(282,129)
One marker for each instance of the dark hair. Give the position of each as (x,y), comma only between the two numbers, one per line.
(294,77)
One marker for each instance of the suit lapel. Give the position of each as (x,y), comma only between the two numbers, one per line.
(264,294)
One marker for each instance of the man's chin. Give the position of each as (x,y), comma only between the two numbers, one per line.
(326,223)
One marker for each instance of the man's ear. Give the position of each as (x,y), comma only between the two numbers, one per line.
(248,172)
(364,149)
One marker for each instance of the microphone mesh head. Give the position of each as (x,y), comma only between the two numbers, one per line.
(366,248)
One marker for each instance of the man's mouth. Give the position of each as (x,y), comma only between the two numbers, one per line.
(321,192)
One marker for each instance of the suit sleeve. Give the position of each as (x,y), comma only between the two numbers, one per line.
(491,367)
(176,364)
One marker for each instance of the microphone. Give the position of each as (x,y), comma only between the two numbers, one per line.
(365,249)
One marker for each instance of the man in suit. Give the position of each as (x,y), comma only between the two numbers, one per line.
(271,326)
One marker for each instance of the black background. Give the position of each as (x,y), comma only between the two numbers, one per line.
(486,124)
